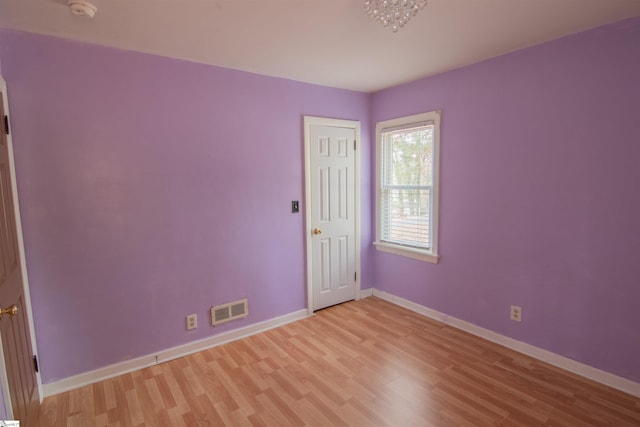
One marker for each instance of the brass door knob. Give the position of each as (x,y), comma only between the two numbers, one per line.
(317,231)
(12,311)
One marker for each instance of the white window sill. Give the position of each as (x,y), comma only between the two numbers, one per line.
(407,252)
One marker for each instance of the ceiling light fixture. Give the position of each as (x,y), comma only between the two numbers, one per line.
(393,13)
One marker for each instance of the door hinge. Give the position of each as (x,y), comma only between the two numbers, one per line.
(355,276)
(6,124)
(354,143)
(35,363)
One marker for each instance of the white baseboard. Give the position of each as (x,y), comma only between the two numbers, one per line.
(554,359)
(125,367)
(364,293)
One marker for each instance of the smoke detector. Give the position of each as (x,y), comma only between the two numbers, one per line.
(82,8)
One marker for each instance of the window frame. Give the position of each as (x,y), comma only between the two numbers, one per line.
(430,255)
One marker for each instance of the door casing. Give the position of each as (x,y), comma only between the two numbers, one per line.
(351,124)
(27,296)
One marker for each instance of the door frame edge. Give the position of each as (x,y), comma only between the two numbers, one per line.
(23,262)
(309,121)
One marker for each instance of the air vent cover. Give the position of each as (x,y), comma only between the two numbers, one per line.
(225,312)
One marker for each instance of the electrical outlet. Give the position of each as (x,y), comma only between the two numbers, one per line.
(516,313)
(192,321)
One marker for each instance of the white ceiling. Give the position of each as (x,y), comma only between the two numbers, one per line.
(327,42)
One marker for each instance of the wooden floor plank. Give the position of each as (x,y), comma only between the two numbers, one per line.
(364,363)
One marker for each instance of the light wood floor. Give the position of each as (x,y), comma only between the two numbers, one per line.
(364,363)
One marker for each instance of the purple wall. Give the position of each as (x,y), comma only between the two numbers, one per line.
(152,188)
(540,197)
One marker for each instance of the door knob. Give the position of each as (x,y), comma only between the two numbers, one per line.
(12,311)
(317,231)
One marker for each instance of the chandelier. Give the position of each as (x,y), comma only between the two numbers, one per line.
(393,13)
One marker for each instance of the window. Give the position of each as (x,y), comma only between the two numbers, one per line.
(407,186)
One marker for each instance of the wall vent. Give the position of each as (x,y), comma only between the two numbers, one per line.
(225,312)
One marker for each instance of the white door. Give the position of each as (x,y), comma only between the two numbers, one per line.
(333,249)
(15,334)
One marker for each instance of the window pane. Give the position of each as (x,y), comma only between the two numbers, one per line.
(410,156)
(407,186)
(408,216)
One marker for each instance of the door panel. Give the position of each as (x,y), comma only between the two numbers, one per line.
(332,207)
(324,195)
(325,265)
(344,262)
(14,329)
